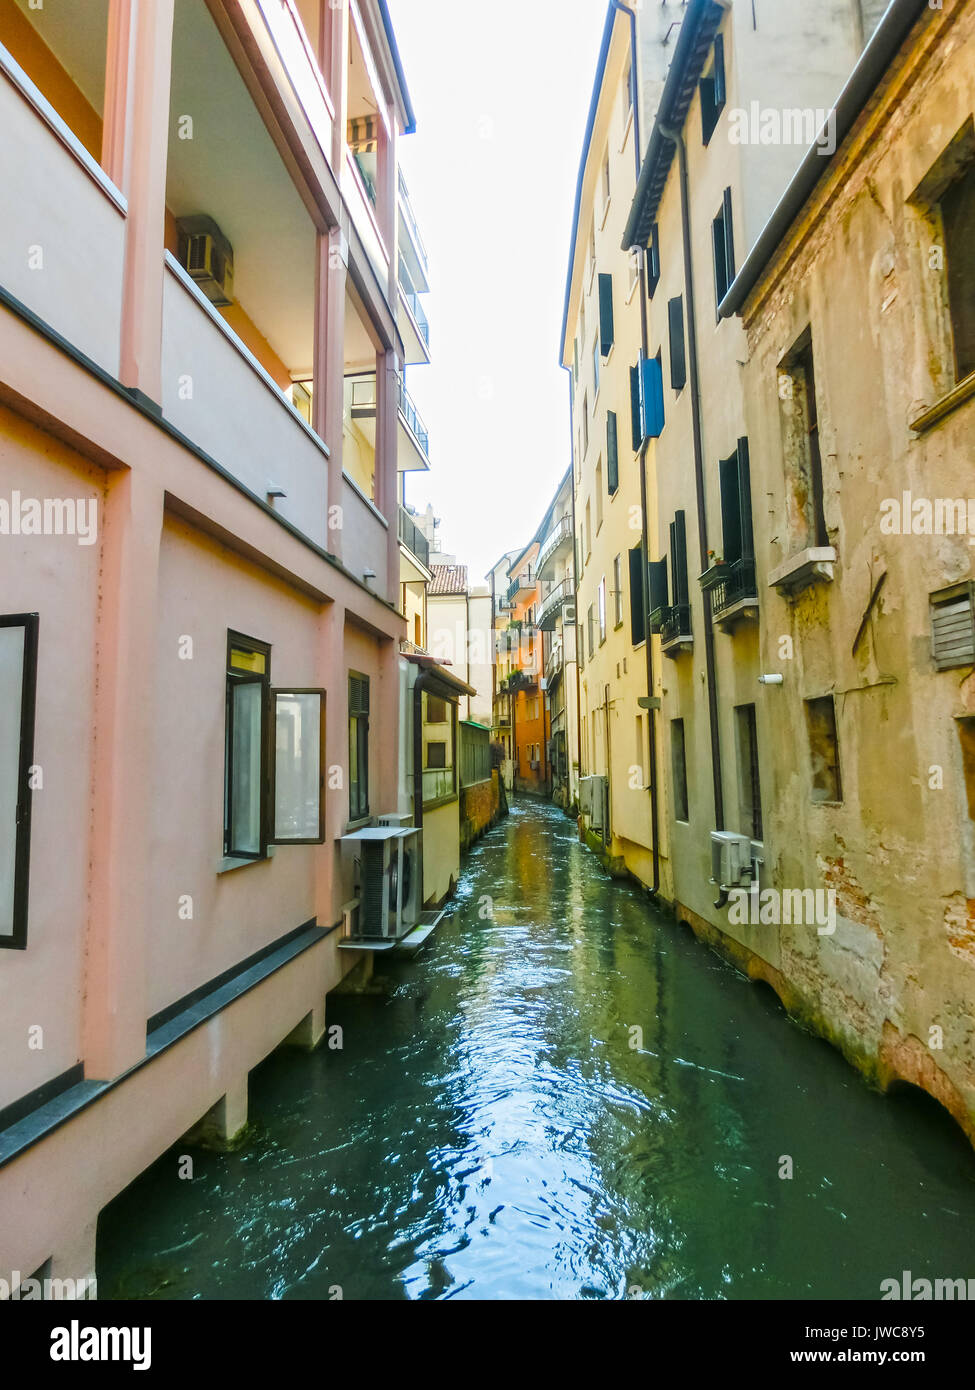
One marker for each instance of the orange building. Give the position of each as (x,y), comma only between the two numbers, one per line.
(529,714)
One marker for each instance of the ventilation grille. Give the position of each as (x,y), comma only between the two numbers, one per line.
(358,695)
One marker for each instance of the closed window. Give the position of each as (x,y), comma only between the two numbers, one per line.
(437,754)
(618,591)
(612,453)
(824,751)
(601,600)
(595,369)
(439,770)
(736,509)
(713,91)
(958,221)
(678,355)
(653,260)
(591,625)
(248,684)
(18,684)
(437,708)
(598,491)
(638,620)
(358,746)
(606,334)
(953,627)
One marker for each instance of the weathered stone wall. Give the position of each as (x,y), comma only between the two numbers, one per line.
(480,808)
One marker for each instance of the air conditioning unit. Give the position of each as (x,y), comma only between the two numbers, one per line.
(568,614)
(390,891)
(208,256)
(593,798)
(731,860)
(394,818)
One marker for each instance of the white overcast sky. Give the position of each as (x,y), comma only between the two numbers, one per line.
(501,94)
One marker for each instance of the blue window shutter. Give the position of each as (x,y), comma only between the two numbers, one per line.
(653,397)
(636,409)
(605,314)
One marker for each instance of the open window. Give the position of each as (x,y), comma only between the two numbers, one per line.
(18,685)
(275,757)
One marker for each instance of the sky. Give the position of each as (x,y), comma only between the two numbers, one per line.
(501,94)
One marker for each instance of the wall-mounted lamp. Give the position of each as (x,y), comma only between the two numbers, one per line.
(771,680)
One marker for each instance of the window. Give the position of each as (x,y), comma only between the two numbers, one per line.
(618,591)
(797,388)
(595,369)
(439,772)
(628,92)
(585,425)
(601,599)
(722,236)
(606,321)
(592,245)
(749,787)
(678,762)
(606,181)
(638,621)
(598,490)
(678,572)
(653,261)
(953,627)
(18,685)
(591,626)
(437,708)
(958,222)
(612,453)
(274,780)
(823,749)
(575,359)
(436,754)
(358,746)
(736,507)
(588,532)
(657,591)
(713,92)
(678,356)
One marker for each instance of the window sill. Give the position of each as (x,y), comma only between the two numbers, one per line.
(745,610)
(811,566)
(440,801)
(359,824)
(229,862)
(934,414)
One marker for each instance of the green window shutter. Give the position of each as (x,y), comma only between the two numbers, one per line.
(657,587)
(678,355)
(606,337)
(636,408)
(653,261)
(612,453)
(730,509)
(745,501)
(729,237)
(678,559)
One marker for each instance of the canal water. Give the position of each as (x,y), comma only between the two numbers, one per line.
(493,1127)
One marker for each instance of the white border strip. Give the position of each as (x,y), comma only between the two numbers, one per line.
(12,69)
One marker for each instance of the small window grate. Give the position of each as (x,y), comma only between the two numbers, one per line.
(953,627)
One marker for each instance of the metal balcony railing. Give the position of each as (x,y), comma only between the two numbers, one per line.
(413,300)
(412,417)
(735,583)
(559,536)
(413,538)
(556,661)
(552,602)
(525,583)
(675,623)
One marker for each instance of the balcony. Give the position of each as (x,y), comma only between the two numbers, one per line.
(523,586)
(411,243)
(555,548)
(551,606)
(412,437)
(555,663)
(415,457)
(413,538)
(412,319)
(734,593)
(674,627)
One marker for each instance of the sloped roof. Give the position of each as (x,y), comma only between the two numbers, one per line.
(448,579)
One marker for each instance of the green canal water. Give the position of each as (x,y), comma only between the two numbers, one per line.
(488,1131)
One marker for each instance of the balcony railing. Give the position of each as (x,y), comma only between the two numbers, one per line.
(412,417)
(731,584)
(526,582)
(556,661)
(551,604)
(562,535)
(413,538)
(414,302)
(675,624)
(410,216)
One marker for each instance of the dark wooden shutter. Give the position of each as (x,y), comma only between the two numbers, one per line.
(953,627)
(745,500)
(605,314)
(658,593)
(730,509)
(636,408)
(638,624)
(678,355)
(653,397)
(653,260)
(678,559)
(612,453)
(729,238)
(358,695)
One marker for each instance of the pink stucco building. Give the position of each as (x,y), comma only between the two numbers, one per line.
(209,289)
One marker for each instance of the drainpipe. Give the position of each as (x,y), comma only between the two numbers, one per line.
(642,460)
(422,683)
(677,139)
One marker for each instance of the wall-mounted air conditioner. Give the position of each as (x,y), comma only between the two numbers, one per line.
(593,801)
(208,256)
(389,890)
(397,819)
(732,863)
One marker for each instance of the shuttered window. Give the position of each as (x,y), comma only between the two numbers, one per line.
(18,683)
(606,335)
(659,596)
(736,505)
(636,409)
(678,355)
(653,397)
(653,261)
(638,625)
(723,237)
(953,627)
(678,562)
(612,453)
(713,92)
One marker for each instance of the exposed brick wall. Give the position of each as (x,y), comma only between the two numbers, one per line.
(480,806)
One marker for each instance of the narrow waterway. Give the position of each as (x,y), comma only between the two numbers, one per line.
(489,1131)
